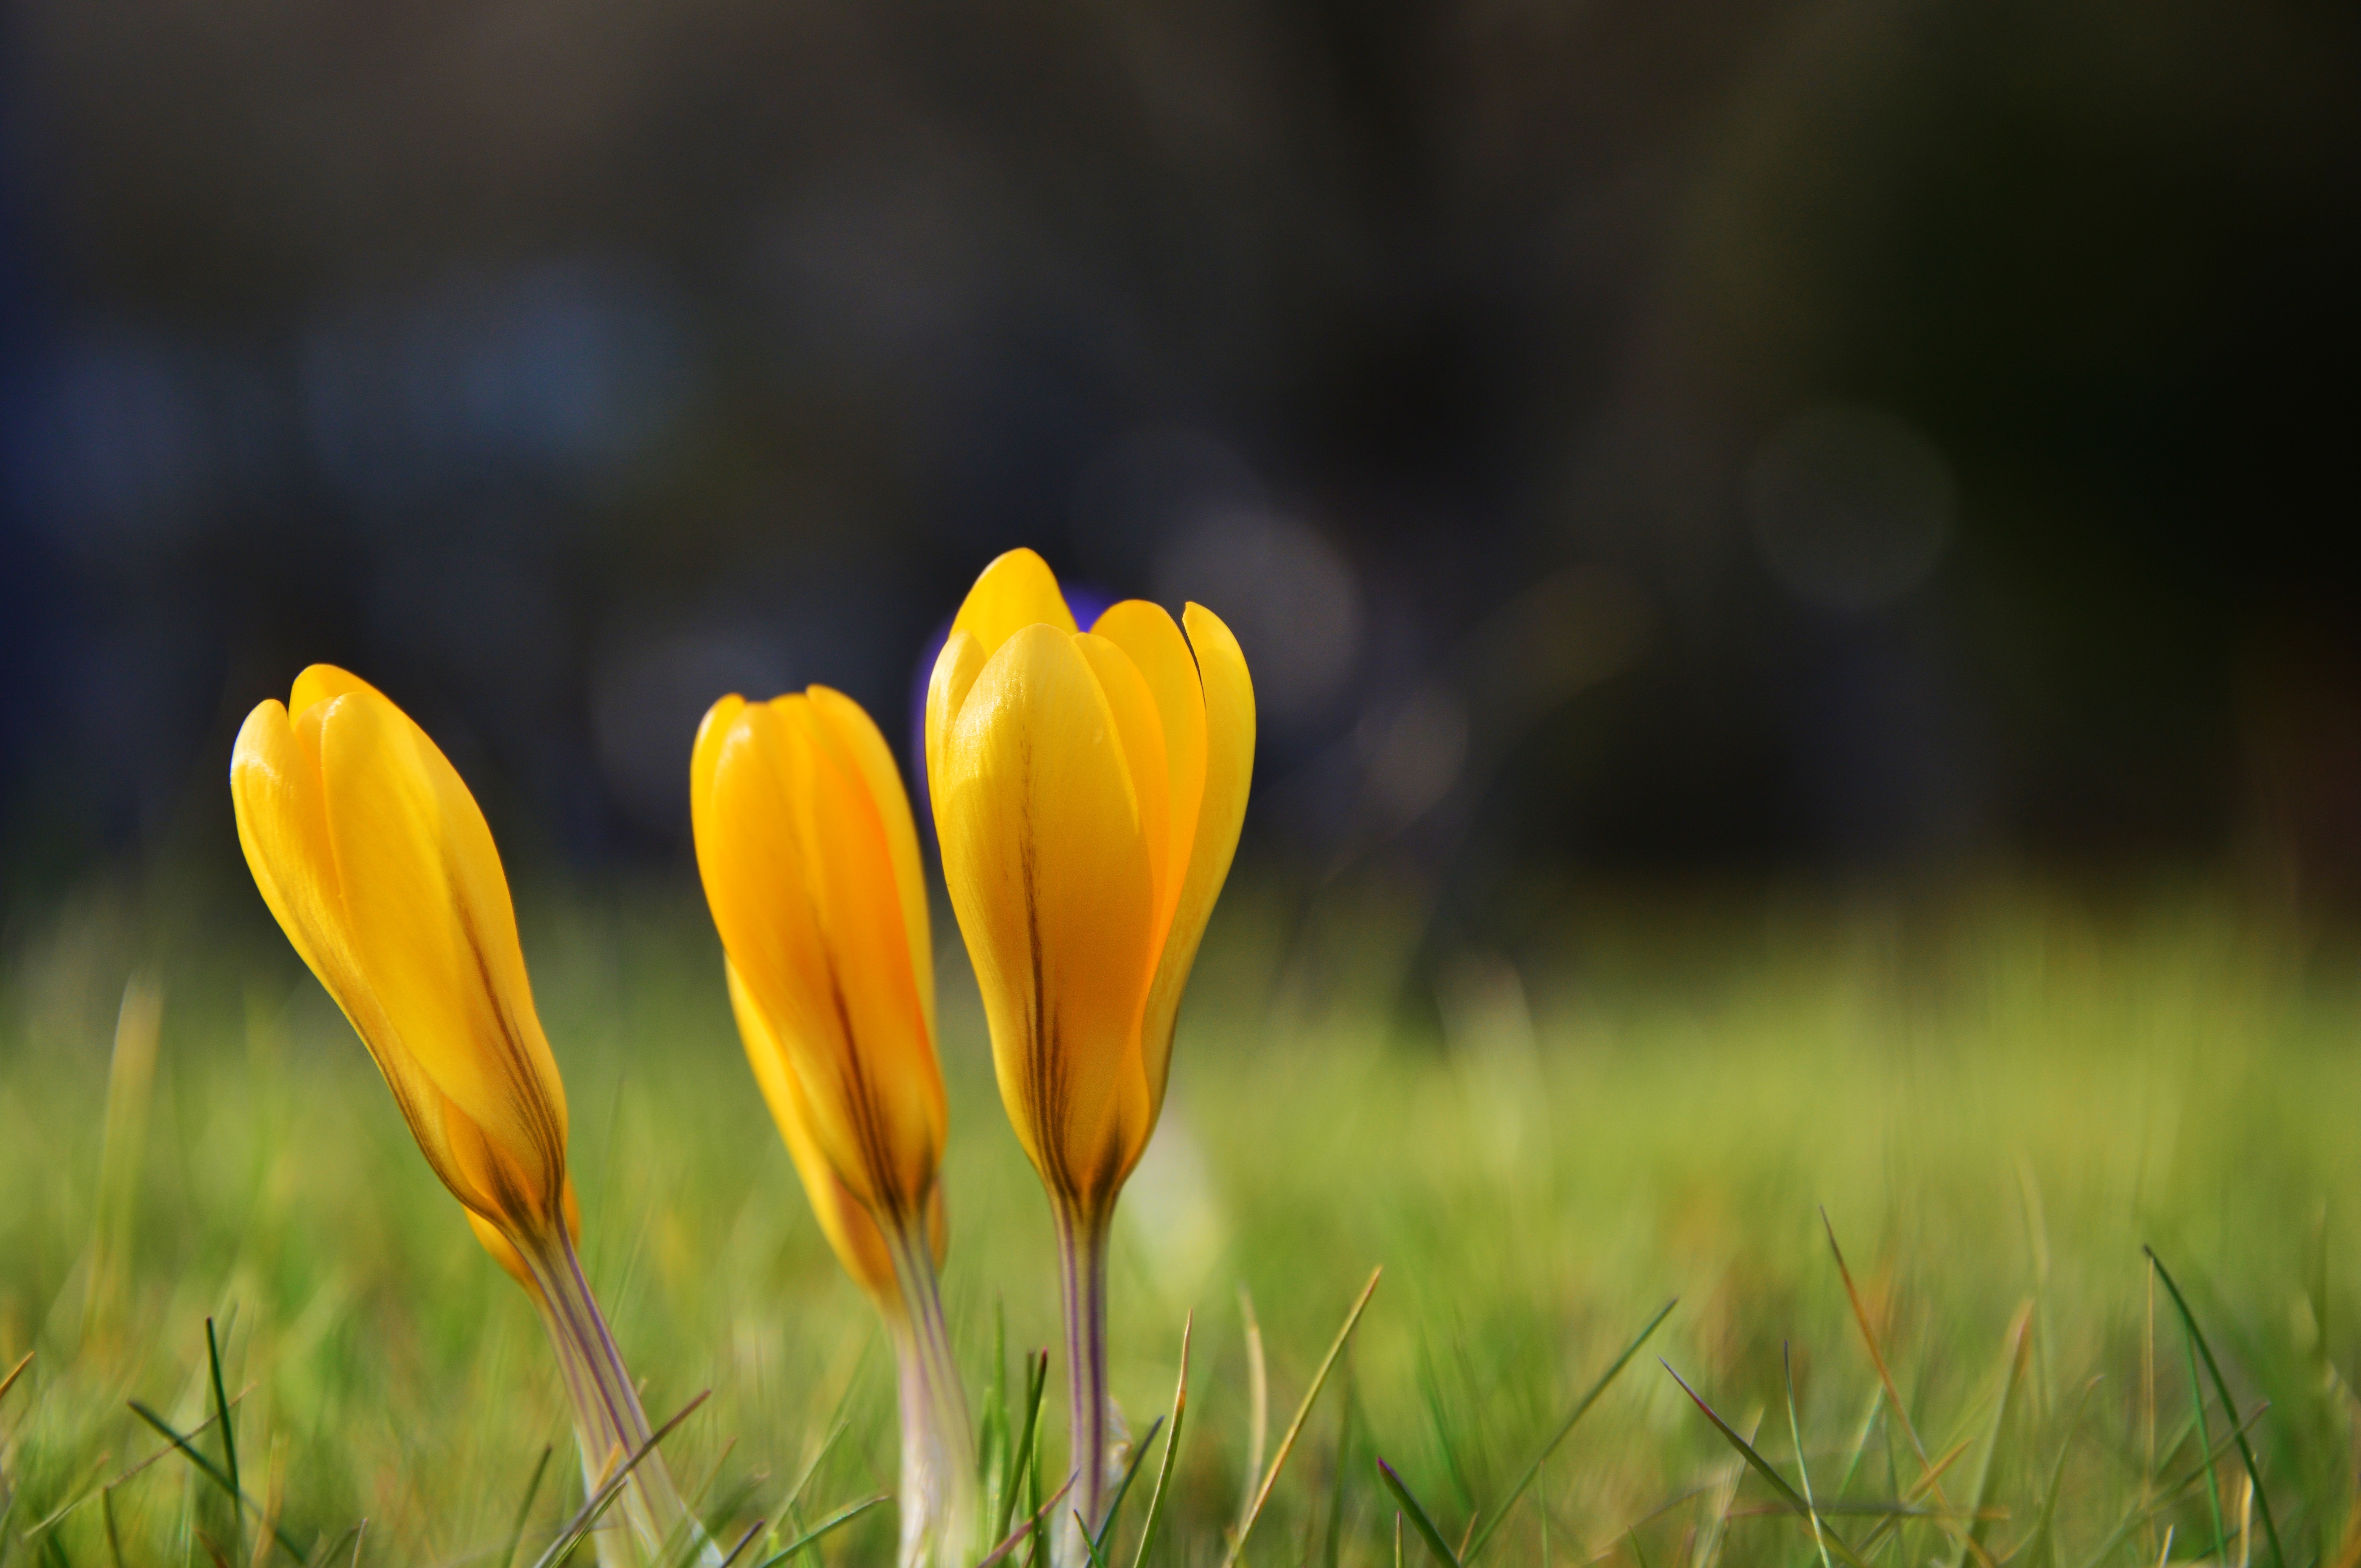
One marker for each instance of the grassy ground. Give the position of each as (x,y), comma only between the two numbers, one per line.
(1996,1104)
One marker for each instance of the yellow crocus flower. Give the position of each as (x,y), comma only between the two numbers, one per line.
(1088,789)
(810,858)
(379,867)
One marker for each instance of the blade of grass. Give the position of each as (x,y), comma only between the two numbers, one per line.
(1795,1430)
(2229,1407)
(1416,1515)
(1970,1541)
(2155,1502)
(1439,1423)
(1877,1357)
(1860,1440)
(1761,1466)
(835,1522)
(229,1444)
(744,1542)
(993,1461)
(1332,1541)
(2043,1532)
(212,1472)
(1017,1537)
(1171,1447)
(525,1509)
(594,1508)
(1082,1529)
(1130,1473)
(1037,1381)
(15,1372)
(328,1552)
(113,1541)
(1302,1414)
(1581,1408)
(2197,1402)
(1257,1405)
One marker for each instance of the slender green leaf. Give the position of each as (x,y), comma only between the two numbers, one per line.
(2229,1405)
(524,1509)
(212,1472)
(1762,1467)
(1418,1519)
(229,1442)
(1970,1541)
(1171,1448)
(1803,1471)
(1123,1487)
(1302,1413)
(1019,1536)
(1581,1408)
(835,1522)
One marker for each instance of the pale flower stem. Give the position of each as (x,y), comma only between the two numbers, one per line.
(1083,1256)
(608,1418)
(940,1513)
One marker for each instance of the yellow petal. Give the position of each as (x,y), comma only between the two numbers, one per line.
(1229,770)
(854,1235)
(863,745)
(431,933)
(800,872)
(1050,875)
(282,825)
(956,668)
(1146,631)
(1016,591)
(1140,732)
(278,797)
(702,759)
(319,682)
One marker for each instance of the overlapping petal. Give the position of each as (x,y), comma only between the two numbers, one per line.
(1049,874)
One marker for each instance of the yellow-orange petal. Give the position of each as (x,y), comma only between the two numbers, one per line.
(320,683)
(282,825)
(1147,633)
(859,1246)
(1016,591)
(432,935)
(1229,770)
(1139,730)
(1043,852)
(953,678)
(862,746)
(800,874)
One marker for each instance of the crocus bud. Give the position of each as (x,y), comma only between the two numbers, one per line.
(377,863)
(380,868)
(810,862)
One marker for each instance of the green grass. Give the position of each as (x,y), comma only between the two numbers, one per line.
(1997,1099)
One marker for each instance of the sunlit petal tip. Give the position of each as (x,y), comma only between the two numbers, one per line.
(323,683)
(1016,591)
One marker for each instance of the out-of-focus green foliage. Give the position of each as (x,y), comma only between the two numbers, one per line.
(1997,1103)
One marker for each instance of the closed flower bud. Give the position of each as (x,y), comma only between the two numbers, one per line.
(810,863)
(378,865)
(379,868)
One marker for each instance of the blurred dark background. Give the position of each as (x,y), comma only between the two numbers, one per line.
(1714,438)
